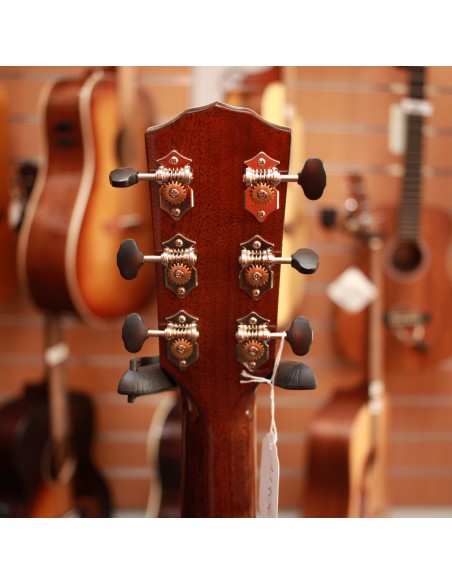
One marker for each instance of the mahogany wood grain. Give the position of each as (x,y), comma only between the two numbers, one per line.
(218,469)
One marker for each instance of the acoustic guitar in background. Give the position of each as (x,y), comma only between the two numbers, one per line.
(46,468)
(218,218)
(347,439)
(8,238)
(74,219)
(73,223)
(417,290)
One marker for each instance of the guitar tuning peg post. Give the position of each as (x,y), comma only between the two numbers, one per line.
(174,174)
(262,177)
(257,260)
(253,336)
(178,258)
(181,334)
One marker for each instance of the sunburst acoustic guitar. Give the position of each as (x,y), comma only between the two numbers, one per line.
(74,219)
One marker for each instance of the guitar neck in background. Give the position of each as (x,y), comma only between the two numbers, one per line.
(410,205)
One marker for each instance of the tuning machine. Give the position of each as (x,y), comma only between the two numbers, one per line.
(257,260)
(181,334)
(253,335)
(174,174)
(262,177)
(178,257)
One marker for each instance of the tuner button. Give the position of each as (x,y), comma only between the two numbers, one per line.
(134,333)
(129,259)
(312,178)
(305,261)
(299,335)
(123,177)
(294,375)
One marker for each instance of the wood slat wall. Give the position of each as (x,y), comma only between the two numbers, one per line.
(345,112)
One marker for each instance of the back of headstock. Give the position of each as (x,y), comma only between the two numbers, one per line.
(218,187)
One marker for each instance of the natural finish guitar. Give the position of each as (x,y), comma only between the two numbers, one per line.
(347,443)
(417,288)
(218,187)
(74,219)
(164,453)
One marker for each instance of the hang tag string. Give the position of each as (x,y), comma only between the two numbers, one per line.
(271,382)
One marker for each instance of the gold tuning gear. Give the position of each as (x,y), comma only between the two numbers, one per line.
(181,334)
(178,258)
(262,177)
(257,261)
(253,335)
(174,173)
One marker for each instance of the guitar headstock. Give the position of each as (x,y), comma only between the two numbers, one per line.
(218,180)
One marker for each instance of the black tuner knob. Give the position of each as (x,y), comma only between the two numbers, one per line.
(129,259)
(134,333)
(123,177)
(294,375)
(299,335)
(305,261)
(312,178)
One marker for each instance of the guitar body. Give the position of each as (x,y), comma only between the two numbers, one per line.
(26,489)
(165,435)
(346,472)
(74,220)
(417,288)
(423,289)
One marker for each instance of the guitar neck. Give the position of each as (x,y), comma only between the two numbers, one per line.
(376,333)
(55,356)
(218,470)
(410,204)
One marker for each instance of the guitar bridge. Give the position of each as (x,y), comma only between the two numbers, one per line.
(409,327)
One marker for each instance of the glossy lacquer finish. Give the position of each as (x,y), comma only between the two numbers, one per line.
(218,469)
(75,220)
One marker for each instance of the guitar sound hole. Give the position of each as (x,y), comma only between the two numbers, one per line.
(407,256)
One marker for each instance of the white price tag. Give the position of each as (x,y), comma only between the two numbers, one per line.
(269,478)
(352,290)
